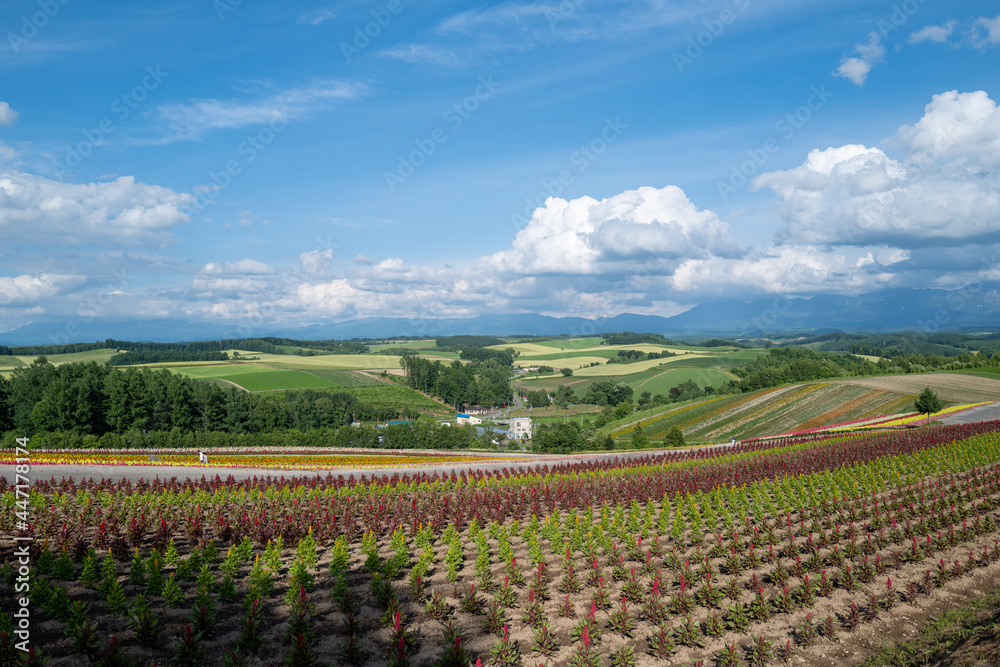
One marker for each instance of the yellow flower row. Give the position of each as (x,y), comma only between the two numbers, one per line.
(291,461)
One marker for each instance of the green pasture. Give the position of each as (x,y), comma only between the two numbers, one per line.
(358,362)
(256,378)
(662,382)
(346,378)
(100,356)
(397,394)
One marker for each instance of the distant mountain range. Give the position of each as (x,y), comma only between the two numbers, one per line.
(902,309)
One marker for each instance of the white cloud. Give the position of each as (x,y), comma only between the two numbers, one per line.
(856,68)
(7,115)
(503,14)
(423,54)
(191,120)
(780,269)
(225,280)
(956,125)
(114,213)
(938,34)
(316,262)
(985,32)
(26,289)
(318,16)
(946,189)
(586,236)
(244,267)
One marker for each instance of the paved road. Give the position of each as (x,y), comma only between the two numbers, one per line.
(981,414)
(135,473)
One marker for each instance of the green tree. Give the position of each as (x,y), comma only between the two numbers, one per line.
(927,402)
(566,372)
(639,438)
(673,438)
(537,398)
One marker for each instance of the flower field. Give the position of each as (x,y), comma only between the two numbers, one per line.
(292,460)
(743,556)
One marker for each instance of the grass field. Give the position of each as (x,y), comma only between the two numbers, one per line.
(257,378)
(951,387)
(661,382)
(397,394)
(329,361)
(100,356)
(347,378)
(9,361)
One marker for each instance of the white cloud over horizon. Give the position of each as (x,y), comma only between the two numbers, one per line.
(117,213)
(850,219)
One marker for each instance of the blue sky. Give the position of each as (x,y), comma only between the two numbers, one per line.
(274,165)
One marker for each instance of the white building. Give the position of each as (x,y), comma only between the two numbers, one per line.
(520,428)
(464,418)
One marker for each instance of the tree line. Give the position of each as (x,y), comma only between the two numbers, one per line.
(421,434)
(143,352)
(93,399)
(484,382)
(798,364)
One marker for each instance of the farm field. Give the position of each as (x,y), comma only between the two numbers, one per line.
(98,356)
(661,382)
(257,378)
(327,361)
(952,387)
(768,411)
(811,405)
(811,548)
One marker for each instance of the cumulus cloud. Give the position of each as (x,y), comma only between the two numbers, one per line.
(122,212)
(315,262)
(228,280)
(937,34)
(856,68)
(27,289)
(955,125)
(7,115)
(946,189)
(587,236)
